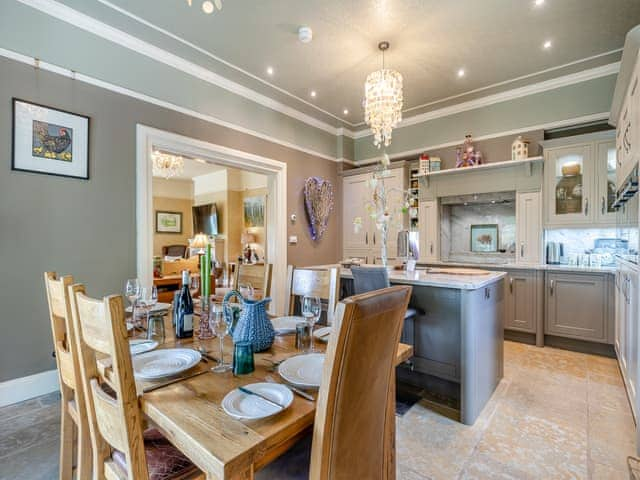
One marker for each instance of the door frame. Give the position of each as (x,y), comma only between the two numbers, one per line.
(276,172)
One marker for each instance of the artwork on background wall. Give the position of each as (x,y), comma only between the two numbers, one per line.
(318,204)
(253,208)
(168,222)
(484,238)
(50,141)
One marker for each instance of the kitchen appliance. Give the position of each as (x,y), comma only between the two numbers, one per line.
(555,252)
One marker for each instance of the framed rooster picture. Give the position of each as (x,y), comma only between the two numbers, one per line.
(48,140)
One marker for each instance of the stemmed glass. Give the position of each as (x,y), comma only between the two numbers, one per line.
(246,290)
(220,328)
(311,311)
(194,285)
(132,292)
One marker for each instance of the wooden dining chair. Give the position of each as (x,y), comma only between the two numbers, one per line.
(121,447)
(258,275)
(315,282)
(73,418)
(354,427)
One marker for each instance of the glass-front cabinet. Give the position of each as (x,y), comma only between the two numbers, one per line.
(569,178)
(606,163)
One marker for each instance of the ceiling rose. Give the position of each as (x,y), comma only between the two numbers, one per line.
(383,101)
(166,165)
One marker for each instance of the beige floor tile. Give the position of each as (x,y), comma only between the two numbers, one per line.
(599,471)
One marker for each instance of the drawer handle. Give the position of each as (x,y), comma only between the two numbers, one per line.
(366,238)
(510,284)
(522,250)
(374,238)
(431,247)
(604,203)
(586,207)
(551,283)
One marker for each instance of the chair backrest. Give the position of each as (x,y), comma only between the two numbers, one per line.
(115,417)
(258,275)
(367,279)
(174,251)
(62,329)
(354,415)
(316,282)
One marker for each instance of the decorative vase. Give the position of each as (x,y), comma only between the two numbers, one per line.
(254,325)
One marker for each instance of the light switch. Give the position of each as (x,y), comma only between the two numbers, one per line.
(293,239)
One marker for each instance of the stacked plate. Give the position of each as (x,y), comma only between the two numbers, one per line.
(139,346)
(322,334)
(286,325)
(303,371)
(245,406)
(164,363)
(157,308)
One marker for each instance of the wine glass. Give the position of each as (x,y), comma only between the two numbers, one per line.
(246,290)
(132,291)
(194,285)
(311,310)
(220,328)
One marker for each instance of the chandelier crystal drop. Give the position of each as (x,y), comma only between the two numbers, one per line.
(166,165)
(383,101)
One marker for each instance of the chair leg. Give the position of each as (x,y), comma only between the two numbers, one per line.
(67,426)
(84,452)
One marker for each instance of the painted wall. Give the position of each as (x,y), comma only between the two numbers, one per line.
(181,205)
(88,228)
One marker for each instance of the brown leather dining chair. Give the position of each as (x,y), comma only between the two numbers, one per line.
(353,431)
(122,449)
(73,418)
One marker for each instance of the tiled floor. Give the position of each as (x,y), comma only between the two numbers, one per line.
(556,415)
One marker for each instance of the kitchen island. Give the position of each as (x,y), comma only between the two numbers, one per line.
(457,335)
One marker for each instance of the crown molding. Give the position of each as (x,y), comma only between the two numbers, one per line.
(552,84)
(542,126)
(85,22)
(161,103)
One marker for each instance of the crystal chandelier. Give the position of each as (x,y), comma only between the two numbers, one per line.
(383,101)
(166,165)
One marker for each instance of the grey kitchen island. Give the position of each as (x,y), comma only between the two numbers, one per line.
(457,335)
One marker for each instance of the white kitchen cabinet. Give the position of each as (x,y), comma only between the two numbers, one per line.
(627,329)
(528,227)
(627,129)
(606,165)
(356,193)
(429,231)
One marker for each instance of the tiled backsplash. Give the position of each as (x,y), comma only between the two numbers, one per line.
(577,241)
(456,231)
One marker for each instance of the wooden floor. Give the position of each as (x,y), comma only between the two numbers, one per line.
(555,415)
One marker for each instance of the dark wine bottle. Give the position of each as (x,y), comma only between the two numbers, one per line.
(183,311)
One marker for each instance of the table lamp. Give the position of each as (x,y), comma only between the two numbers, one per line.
(247,239)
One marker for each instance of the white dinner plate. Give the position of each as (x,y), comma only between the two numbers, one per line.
(157,308)
(141,345)
(244,406)
(166,362)
(322,334)
(129,326)
(303,370)
(284,325)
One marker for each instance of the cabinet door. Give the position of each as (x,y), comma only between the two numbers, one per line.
(628,127)
(528,227)
(631,323)
(606,164)
(577,306)
(355,192)
(620,342)
(569,185)
(429,231)
(521,301)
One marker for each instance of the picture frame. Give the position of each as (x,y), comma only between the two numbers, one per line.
(253,211)
(484,238)
(49,141)
(168,222)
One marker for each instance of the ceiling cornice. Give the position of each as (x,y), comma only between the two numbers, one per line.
(554,83)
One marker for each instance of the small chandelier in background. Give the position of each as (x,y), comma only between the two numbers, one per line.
(209,6)
(166,165)
(383,101)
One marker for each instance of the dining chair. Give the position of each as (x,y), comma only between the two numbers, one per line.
(258,275)
(314,282)
(122,449)
(366,279)
(354,426)
(73,418)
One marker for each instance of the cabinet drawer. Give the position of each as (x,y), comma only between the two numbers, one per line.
(577,306)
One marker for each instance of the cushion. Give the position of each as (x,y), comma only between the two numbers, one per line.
(164,461)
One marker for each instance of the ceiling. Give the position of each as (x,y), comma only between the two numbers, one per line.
(194,168)
(494,41)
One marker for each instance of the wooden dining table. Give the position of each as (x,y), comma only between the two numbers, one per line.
(190,415)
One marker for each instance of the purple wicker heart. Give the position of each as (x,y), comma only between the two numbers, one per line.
(318,202)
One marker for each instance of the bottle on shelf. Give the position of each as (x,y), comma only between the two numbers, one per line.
(183,310)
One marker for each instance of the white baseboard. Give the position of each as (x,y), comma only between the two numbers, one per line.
(24,388)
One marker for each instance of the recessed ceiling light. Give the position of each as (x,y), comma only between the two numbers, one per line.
(313,93)
(461,72)
(345,111)
(546,45)
(207,7)
(539,2)
(270,70)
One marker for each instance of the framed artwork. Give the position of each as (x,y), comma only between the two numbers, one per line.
(50,141)
(253,211)
(168,222)
(484,238)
